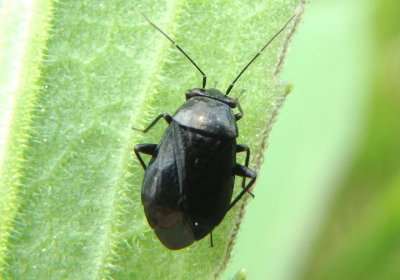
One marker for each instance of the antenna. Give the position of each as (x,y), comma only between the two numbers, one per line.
(176,45)
(259,52)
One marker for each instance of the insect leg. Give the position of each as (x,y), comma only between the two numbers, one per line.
(243,171)
(242,148)
(147,149)
(211,240)
(166,117)
(239,115)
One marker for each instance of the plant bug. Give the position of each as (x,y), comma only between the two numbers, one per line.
(188,183)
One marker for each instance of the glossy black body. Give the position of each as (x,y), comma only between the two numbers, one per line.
(188,183)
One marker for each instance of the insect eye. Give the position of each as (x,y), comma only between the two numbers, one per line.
(188,94)
(193,92)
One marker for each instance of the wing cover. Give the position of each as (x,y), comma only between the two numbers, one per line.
(192,174)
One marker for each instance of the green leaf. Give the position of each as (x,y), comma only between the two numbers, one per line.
(240,275)
(70,186)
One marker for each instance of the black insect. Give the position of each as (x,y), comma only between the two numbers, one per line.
(188,183)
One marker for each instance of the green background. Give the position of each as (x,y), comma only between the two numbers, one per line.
(327,203)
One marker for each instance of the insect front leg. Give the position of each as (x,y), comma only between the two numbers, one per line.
(243,171)
(239,115)
(147,149)
(165,116)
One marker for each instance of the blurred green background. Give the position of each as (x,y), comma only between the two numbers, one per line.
(328,201)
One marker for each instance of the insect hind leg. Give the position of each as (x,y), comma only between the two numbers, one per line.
(244,148)
(243,171)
